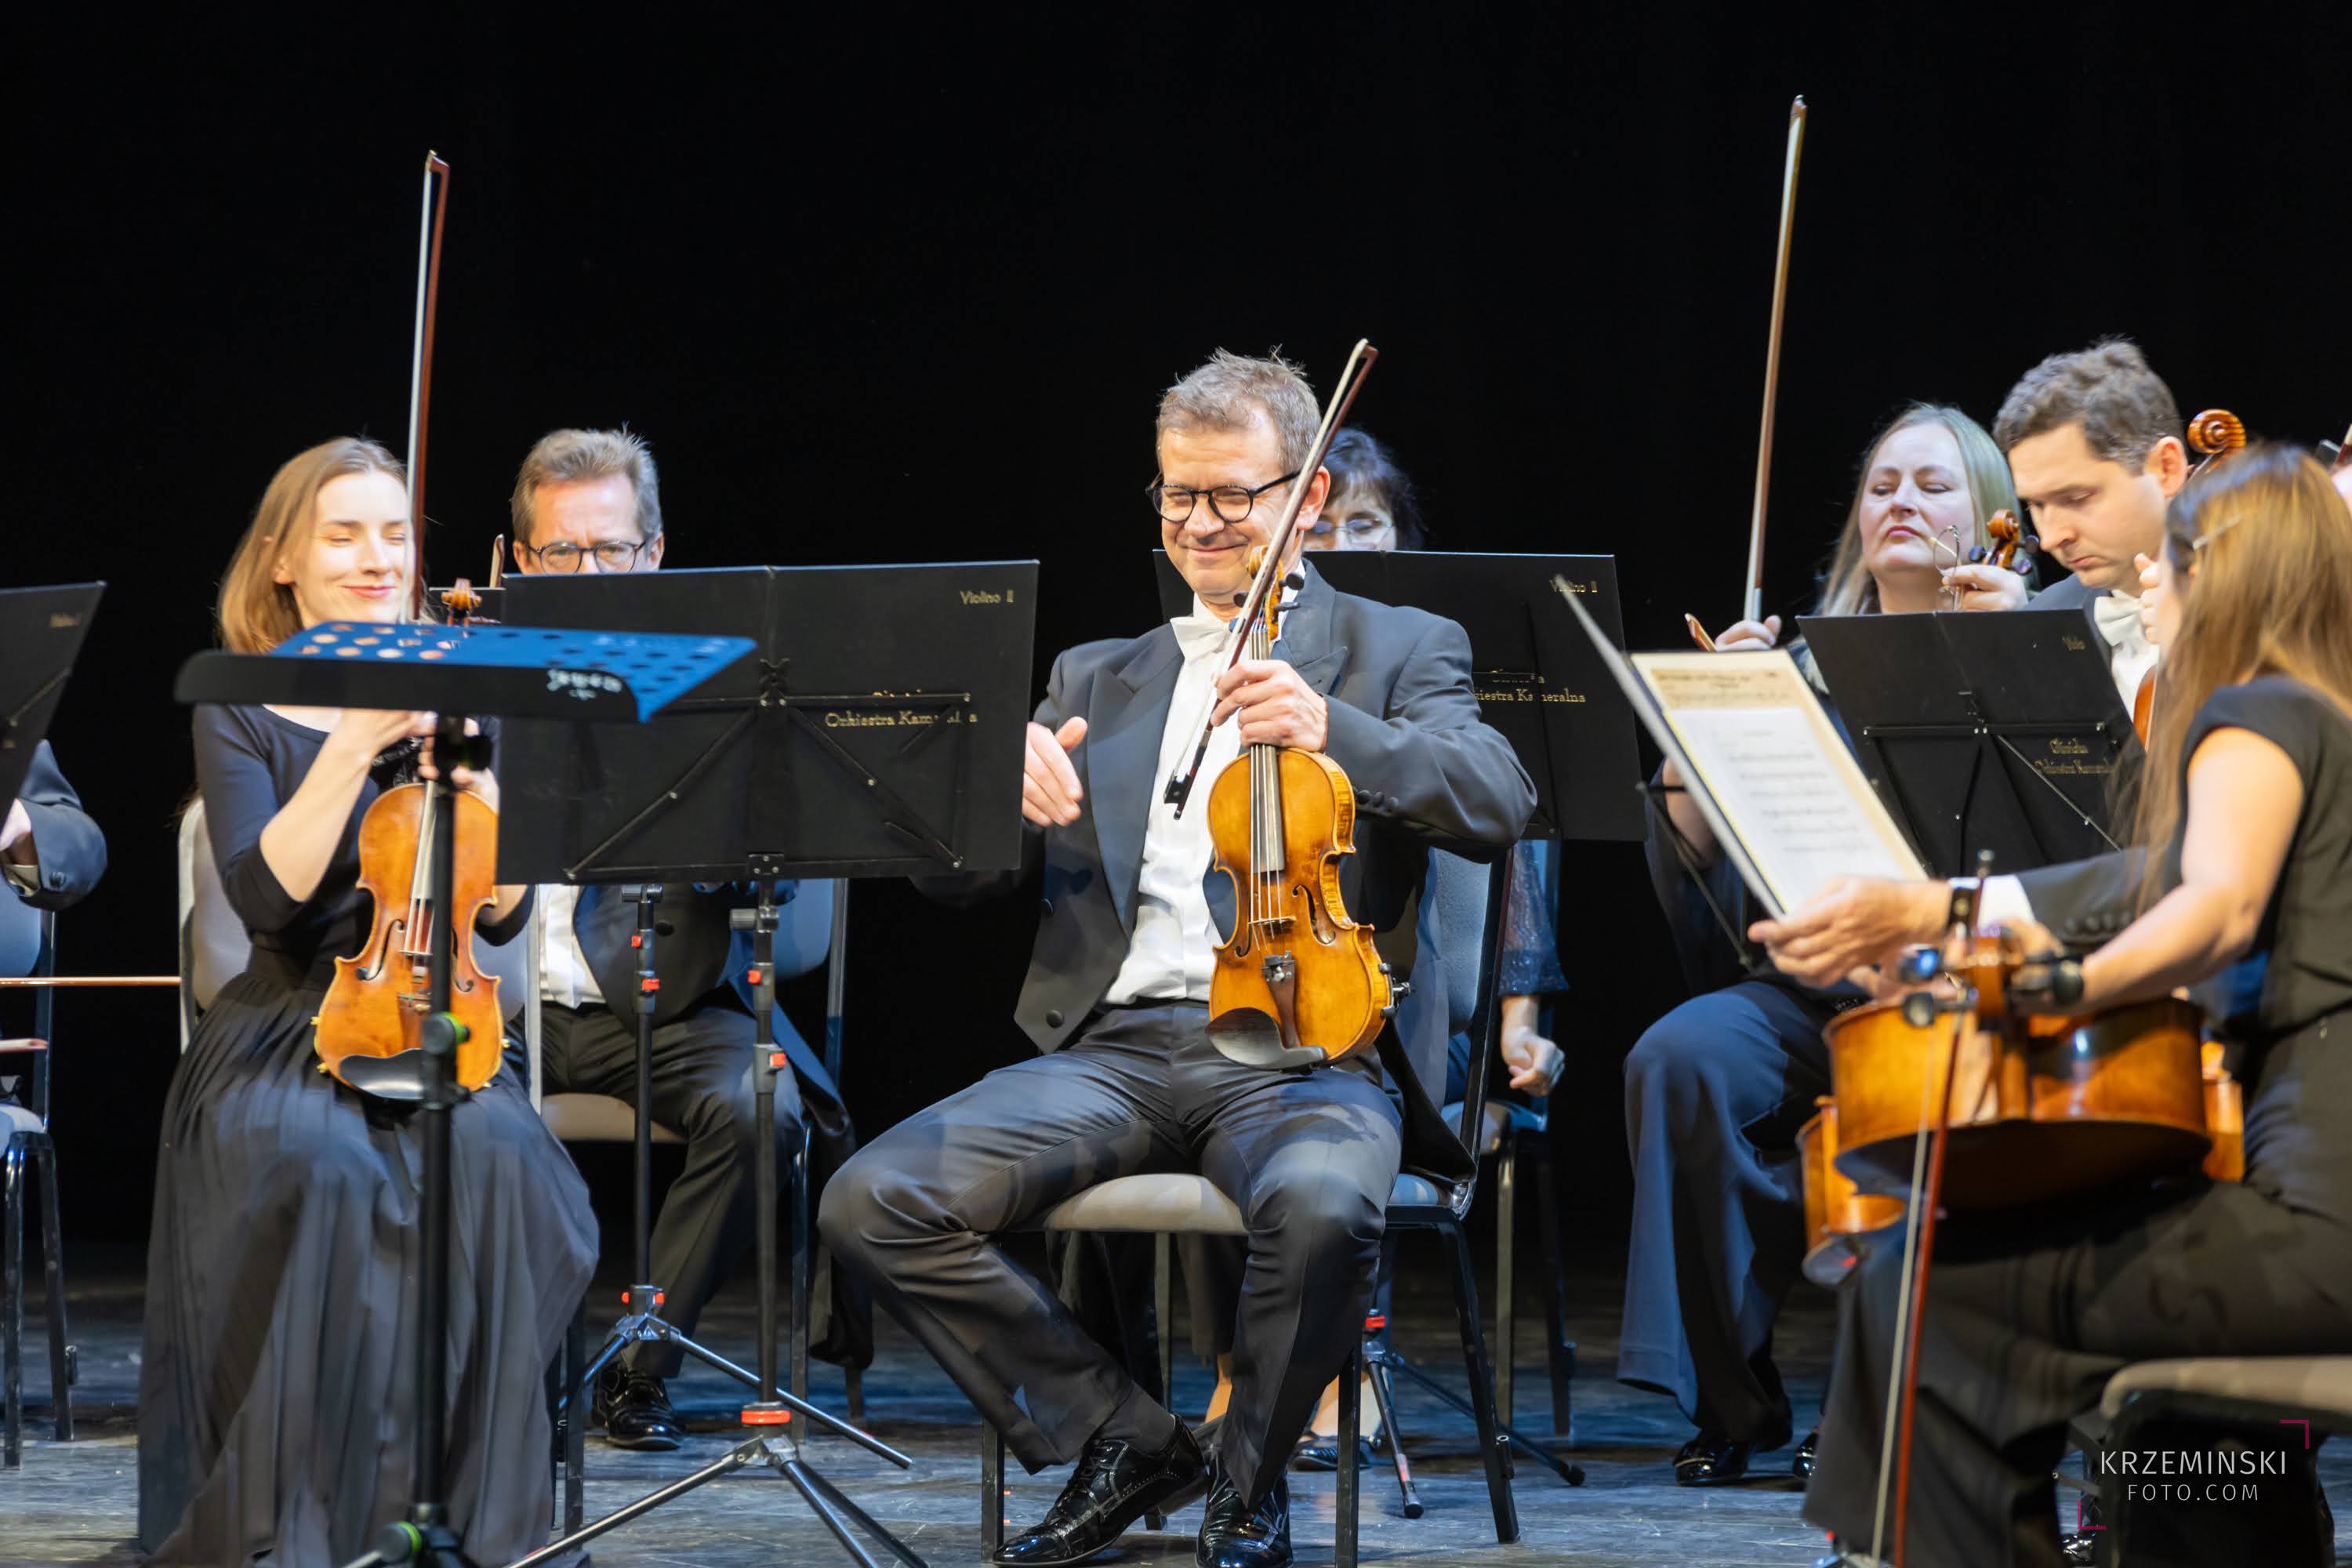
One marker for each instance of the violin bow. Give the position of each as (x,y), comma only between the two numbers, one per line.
(1270,569)
(433,209)
(1754,607)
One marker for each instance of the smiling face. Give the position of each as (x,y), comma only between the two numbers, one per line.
(1208,552)
(1914,504)
(2094,515)
(355,565)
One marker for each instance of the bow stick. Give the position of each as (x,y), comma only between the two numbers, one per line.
(1754,611)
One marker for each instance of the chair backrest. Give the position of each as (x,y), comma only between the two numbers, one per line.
(215,949)
(28,946)
(1471,945)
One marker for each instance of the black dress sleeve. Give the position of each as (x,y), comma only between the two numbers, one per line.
(2282,712)
(1530,965)
(239,788)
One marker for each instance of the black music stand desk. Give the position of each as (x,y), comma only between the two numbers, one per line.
(41,632)
(1983,731)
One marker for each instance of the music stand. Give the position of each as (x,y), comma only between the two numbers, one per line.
(489,672)
(877,733)
(41,631)
(1982,731)
(1537,681)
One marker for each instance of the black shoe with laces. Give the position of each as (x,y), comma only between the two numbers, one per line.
(1238,1534)
(1710,1458)
(1116,1484)
(634,1409)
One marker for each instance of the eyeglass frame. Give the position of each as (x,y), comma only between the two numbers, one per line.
(538,551)
(1160,486)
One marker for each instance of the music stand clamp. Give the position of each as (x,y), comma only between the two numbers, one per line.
(365,664)
(839,750)
(2000,732)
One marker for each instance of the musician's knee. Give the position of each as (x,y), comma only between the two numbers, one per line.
(869,1204)
(1324,1218)
(1668,1071)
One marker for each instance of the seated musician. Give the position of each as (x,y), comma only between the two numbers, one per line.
(1373,506)
(50,851)
(286,1241)
(2249,793)
(1717,1089)
(1131,1080)
(590,500)
(2093,440)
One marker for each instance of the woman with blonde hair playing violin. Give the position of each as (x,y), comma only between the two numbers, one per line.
(277,1386)
(2242,890)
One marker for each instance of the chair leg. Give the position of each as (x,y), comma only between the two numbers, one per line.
(63,1371)
(991,1492)
(1482,1383)
(1506,1316)
(1559,1351)
(1153,1519)
(853,1382)
(1348,1501)
(12,1303)
(1385,1398)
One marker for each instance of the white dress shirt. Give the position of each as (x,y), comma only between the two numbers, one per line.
(564,976)
(1169,955)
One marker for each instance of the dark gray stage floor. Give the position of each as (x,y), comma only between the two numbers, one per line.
(78,1503)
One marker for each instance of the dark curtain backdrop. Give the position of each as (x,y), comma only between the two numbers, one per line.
(879,287)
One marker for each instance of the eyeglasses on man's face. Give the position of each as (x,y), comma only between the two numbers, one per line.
(1230,503)
(612,555)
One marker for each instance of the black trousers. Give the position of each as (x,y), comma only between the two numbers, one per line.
(1715,1093)
(702,1091)
(1308,1157)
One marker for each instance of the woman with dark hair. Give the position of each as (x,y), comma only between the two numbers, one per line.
(1372,505)
(277,1380)
(2242,889)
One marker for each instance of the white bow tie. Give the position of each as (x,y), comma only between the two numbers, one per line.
(1200,634)
(2118,617)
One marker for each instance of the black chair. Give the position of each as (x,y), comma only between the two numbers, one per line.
(31,1149)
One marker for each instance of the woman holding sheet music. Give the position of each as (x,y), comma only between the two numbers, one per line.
(2250,790)
(1716,1090)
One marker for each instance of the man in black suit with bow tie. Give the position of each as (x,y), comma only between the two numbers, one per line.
(1129,1079)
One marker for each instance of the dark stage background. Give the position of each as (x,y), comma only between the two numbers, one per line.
(880,288)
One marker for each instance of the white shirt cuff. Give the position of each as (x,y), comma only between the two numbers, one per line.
(2004,903)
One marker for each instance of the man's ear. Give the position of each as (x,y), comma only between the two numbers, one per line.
(2167,463)
(654,551)
(520,564)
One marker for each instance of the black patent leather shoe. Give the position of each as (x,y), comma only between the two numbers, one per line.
(1801,1466)
(634,1409)
(1323,1454)
(1711,1458)
(1116,1484)
(1238,1533)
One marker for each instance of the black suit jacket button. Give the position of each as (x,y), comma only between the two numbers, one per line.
(1363,797)
(1052,1017)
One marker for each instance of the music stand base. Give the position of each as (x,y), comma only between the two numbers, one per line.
(776,1448)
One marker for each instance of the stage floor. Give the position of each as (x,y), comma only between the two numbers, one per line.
(78,1503)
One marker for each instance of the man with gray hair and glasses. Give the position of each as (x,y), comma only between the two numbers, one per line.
(590,500)
(1129,1079)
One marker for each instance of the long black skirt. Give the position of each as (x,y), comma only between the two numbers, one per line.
(276,1391)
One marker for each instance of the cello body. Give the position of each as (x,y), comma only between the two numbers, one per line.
(2042,1107)
(380,999)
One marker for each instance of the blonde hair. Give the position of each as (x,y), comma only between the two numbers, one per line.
(255,611)
(1228,391)
(1847,587)
(2270,543)
(563,456)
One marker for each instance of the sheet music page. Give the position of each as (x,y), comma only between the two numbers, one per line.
(1764,749)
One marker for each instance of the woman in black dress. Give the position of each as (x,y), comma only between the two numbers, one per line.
(277,1389)
(2249,789)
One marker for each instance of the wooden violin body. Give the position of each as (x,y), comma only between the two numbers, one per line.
(2041,1106)
(379,1000)
(1296,967)
(1836,1211)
